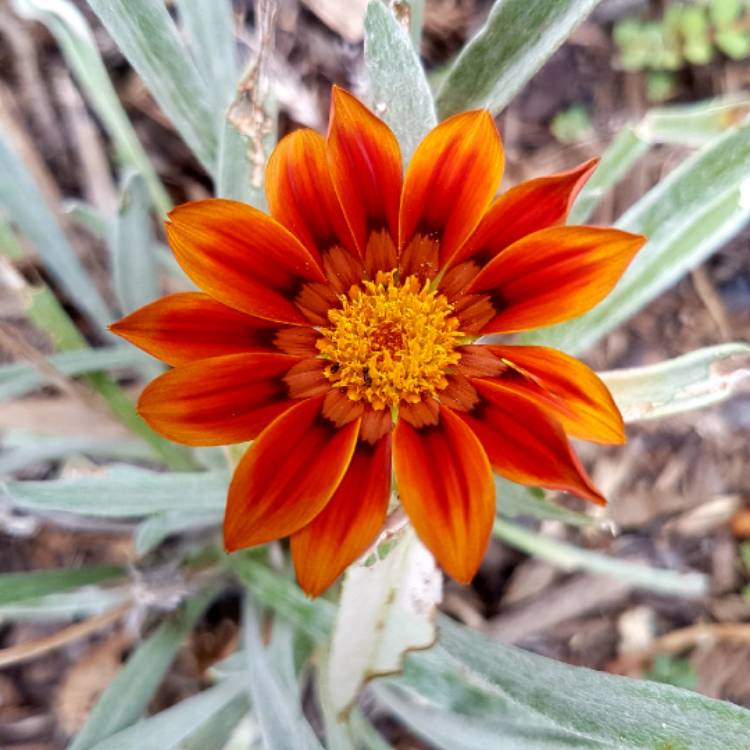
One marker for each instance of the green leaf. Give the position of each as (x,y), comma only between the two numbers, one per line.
(618,711)
(694,124)
(127,696)
(687,216)
(210,31)
(155,529)
(282,723)
(455,731)
(724,12)
(134,267)
(177,727)
(478,676)
(692,381)
(399,90)
(147,36)
(19,378)
(623,153)
(734,44)
(570,557)
(123,492)
(511,47)
(216,731)
(78,45)
(85,602)
(25,205)
(17,587)
(514,500)
(24,449)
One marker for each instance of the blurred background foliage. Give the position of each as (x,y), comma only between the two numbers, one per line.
(123,625)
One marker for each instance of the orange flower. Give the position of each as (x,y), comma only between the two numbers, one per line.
(339,335)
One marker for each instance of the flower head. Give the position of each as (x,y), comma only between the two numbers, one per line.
(340,334)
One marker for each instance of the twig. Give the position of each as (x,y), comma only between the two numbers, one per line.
(33,649)
(712,302)
(247,112)
(15,345)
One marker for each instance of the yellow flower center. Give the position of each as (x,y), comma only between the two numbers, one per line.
(390,342)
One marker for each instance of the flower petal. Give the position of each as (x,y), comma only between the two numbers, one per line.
(349,523)
(451,179)
(445,484)
(526,208)
(220,400)
(287,476)
(365,163)
(566,389)
(524,444)
(187,326)
(554,275)
(242,257)
(301,195)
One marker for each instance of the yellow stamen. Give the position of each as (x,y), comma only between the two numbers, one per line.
(390,342)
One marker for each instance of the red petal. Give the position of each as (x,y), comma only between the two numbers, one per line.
(565,388)
(451,179)
(301,195)
(446,487)
(187,326)
(218,401)
(524,444)
(527,208)
(349,523)
(287,476)
(365,162)
(554,275)
(241,257)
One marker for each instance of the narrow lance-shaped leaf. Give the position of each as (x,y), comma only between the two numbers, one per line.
(134,263)
(17,587)
(74,36)
(621,156)
(399,90)
(127,696)
(279,714)
(123,492)
(210,30)
(687,216)
(181,725)
(23,201)
(592,703)
(571,557)
(508,50)
(692,381)
(147,36)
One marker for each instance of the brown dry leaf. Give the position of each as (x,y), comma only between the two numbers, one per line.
(85,682)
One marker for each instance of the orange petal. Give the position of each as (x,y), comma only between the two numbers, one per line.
(451,179)
(567,389)
(349,523)
(218,401)
(554,275)
(365,162)
(524,444)
(241,257)
(528,207)
(287,476)
(187,326)
(445,484)
(301,195)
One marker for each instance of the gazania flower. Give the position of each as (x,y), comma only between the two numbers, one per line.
(341,335)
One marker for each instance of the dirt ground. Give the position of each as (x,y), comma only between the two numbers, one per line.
(679,490)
